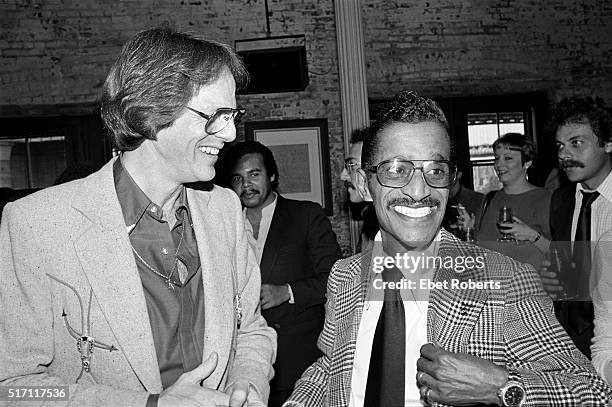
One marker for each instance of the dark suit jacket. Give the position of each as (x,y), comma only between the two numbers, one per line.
(575,316)
(300,249)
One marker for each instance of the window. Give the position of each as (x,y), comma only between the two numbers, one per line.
(34,151)
(32,162)
(483,130)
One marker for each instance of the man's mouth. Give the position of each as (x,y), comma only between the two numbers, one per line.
(414,212)
(249,194)
(415,209)
(209,150)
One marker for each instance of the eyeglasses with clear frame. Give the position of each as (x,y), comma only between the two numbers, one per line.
(397,172)
(351,165)
(220,118)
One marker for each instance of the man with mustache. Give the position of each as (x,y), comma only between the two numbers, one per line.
(584,143)
(452,331)
(296,248)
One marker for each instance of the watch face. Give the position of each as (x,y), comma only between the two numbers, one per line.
(513,396)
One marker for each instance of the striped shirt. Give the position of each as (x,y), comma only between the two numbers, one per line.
(601,209)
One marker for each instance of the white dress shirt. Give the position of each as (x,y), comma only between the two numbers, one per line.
(415,311)
(601,209)
(259,244)
(267,213)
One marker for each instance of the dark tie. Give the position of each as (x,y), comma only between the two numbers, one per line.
(386,374)
(582,240)
(581,313)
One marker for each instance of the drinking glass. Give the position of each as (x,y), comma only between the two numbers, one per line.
(561,263)
(505,216)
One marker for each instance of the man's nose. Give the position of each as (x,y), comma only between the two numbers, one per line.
(563,154)
(246,182)
(228,134)
(417,188)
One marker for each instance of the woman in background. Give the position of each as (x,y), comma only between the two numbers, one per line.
(529,232)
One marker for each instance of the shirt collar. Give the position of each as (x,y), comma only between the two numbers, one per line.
(604,189)
(134,202)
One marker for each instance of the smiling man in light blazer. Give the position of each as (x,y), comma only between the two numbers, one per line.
(136,286)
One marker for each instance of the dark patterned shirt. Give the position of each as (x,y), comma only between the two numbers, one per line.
(176,310)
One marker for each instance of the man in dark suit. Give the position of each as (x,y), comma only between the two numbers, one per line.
(582,211)
(296,247)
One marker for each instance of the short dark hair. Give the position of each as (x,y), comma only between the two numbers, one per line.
(359,135)
(406,107)
(239,150)
(154,77)
(582,110)
(518,141)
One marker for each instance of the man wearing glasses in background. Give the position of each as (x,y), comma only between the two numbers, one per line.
(424,317)
(359,197)
(136,286)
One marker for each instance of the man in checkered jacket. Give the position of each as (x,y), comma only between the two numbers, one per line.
(426,319)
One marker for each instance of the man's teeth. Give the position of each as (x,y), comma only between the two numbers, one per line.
(414,212)
(209,150)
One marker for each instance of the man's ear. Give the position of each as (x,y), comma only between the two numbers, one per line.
(362,185)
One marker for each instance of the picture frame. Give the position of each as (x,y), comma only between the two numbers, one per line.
(301,152)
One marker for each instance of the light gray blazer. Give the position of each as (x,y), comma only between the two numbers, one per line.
(66,264)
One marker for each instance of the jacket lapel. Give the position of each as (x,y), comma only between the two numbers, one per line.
(216,259)
(349,309)
(104,250)
(453,313)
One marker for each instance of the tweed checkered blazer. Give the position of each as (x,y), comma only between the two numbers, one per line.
(513,326)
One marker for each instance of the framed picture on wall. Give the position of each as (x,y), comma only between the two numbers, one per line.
(301,151)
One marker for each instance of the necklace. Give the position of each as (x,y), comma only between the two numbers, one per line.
(168,277)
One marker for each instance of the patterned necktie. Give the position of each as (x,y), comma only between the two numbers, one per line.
(582,242)
(386,374)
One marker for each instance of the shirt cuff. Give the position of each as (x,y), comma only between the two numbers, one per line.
(291,297)
(152,400)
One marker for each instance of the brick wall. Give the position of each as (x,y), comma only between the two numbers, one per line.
(480,47)
(58,51)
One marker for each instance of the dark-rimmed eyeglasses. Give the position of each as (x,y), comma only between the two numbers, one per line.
(351,165)
(397,173)
(220,118)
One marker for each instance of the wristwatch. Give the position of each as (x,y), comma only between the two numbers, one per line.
(512,394)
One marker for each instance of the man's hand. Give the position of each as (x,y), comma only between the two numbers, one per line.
(550,280)
(458,378)
(273,295)
(240,395)
(464,218)
(187,392)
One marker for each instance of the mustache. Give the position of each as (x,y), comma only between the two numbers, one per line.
(405,201)
(249,191)
(571,163)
